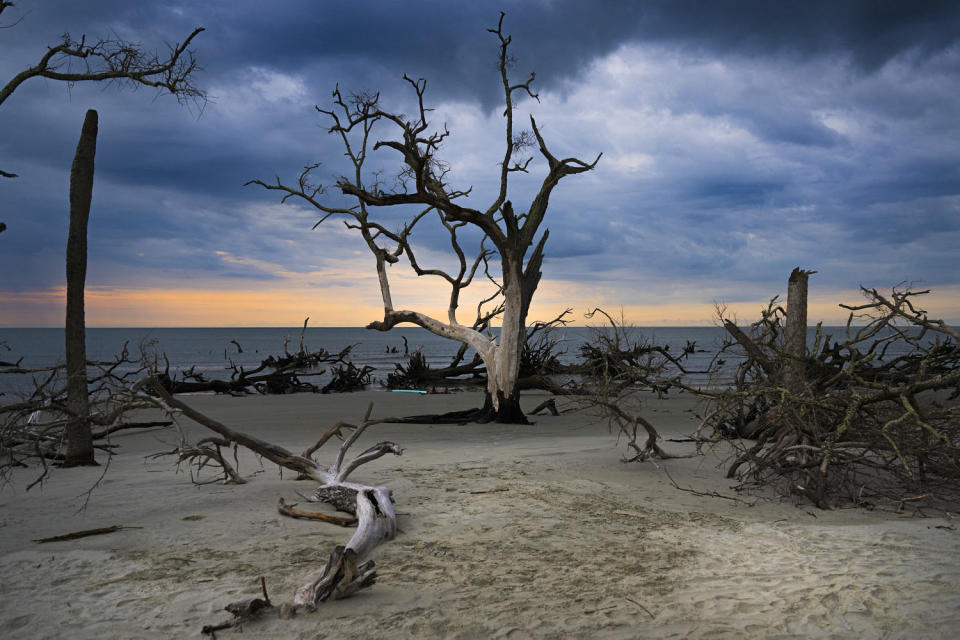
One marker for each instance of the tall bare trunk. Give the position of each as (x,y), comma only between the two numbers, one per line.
(78,433)
(504,395)
(796,330)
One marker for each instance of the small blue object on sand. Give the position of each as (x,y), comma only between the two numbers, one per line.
(408,391)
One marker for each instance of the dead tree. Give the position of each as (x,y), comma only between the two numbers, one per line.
(78,434)
(347,570)
(795,331)
(112,60)
(508,235)
(870,419)
(539,363)
(276,374)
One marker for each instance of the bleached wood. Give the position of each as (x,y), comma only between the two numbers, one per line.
(345,571)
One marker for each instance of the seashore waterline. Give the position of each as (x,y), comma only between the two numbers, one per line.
(213,350)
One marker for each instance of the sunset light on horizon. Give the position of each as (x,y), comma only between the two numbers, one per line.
(289,307)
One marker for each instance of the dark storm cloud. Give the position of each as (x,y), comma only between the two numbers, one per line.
(447,42)
(740,138)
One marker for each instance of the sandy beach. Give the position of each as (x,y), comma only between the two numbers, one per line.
(506,532)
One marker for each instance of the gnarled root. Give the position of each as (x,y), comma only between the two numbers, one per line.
(341,577)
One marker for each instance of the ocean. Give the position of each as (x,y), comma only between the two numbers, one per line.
(212,350)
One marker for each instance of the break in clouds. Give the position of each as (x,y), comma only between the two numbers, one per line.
(739,139)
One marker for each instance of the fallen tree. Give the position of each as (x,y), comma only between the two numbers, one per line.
(278,374)
(33,428)
(871,418)
(346,570)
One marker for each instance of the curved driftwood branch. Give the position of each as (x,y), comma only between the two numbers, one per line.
(346,570)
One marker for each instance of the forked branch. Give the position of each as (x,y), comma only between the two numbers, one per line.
(345,571)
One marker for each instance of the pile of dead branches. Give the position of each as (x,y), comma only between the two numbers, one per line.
(413,372)
(32,427)
(871,417)
(619,368)
(280,374)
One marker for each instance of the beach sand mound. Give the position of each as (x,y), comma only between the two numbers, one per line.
(506,532)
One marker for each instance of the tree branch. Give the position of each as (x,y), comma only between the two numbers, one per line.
(117,60)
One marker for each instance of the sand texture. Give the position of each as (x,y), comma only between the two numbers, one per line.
(506,532)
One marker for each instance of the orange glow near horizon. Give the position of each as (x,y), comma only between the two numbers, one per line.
(328,306)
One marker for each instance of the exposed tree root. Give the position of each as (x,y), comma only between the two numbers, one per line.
(871,419)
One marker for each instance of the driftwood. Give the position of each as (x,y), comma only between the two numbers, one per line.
(547,405)
(33,429)
(346,570)
(85,533)
(291,511)
(206,452)
(280,374)
(242,611)
(620,369)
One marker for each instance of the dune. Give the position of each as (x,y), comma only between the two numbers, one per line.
(506,532)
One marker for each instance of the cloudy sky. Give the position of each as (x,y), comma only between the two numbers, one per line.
(739,140)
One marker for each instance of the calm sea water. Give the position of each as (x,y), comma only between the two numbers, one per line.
(211,350)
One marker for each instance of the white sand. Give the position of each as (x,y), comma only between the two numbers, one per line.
(507,532)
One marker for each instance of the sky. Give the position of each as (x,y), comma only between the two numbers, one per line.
(739,139)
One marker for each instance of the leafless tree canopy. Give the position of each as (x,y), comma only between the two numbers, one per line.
(115,60)
(363,127)
(112,60)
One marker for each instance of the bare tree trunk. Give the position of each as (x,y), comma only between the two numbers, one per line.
(78,434)
(795,331)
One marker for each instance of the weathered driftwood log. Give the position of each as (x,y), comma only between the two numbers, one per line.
(291,511)
(345,572)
